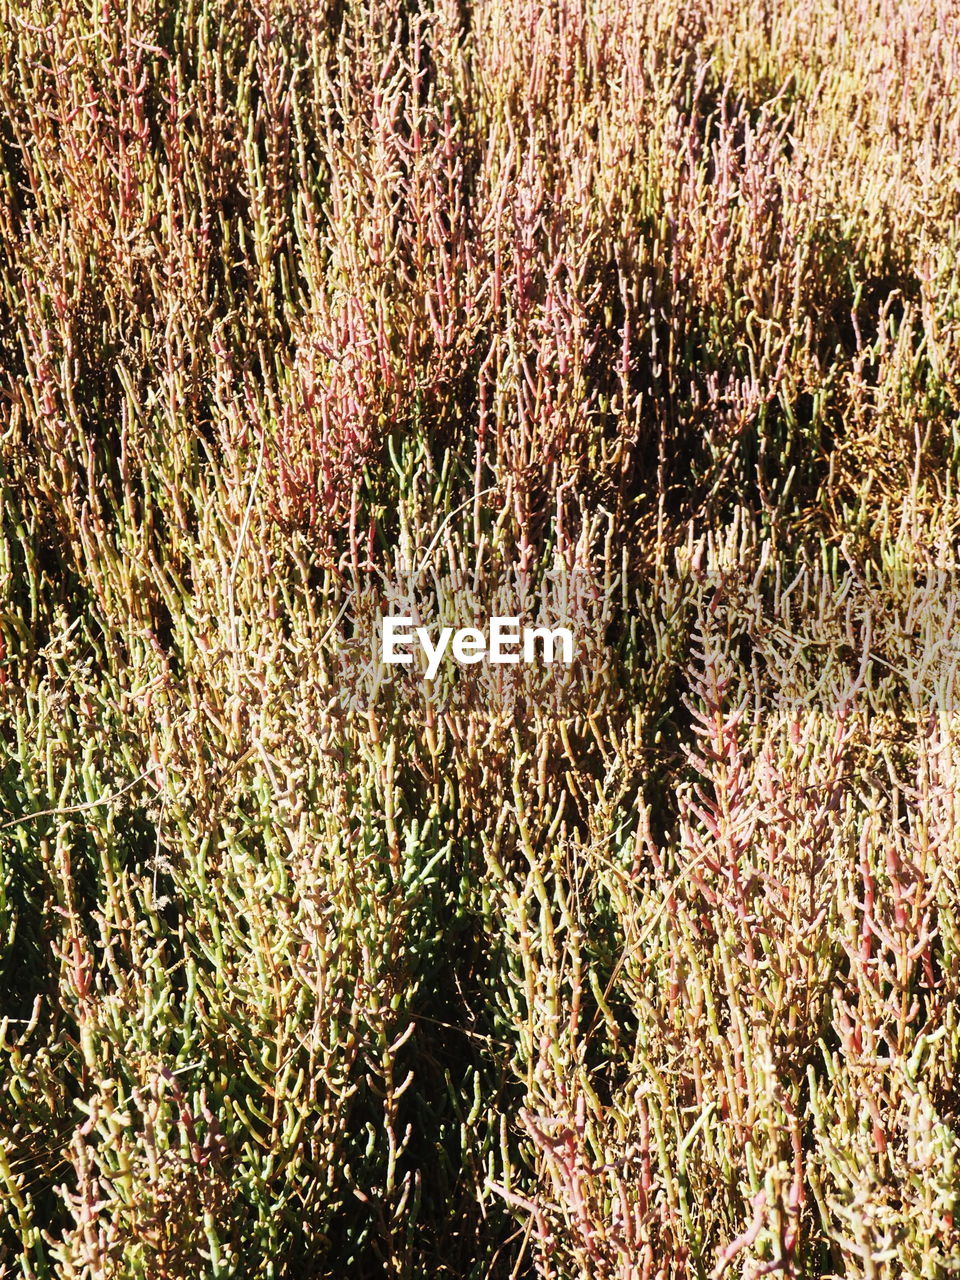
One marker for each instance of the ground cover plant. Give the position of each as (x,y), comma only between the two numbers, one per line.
(642,315)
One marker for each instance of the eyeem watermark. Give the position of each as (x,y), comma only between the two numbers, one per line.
(507,642)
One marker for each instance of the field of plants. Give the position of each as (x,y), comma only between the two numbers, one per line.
(637,315)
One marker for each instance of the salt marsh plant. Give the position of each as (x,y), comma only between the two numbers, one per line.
(641,967)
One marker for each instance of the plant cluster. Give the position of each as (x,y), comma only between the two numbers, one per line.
(640,316)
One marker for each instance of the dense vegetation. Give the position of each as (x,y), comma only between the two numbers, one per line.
(642,315)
